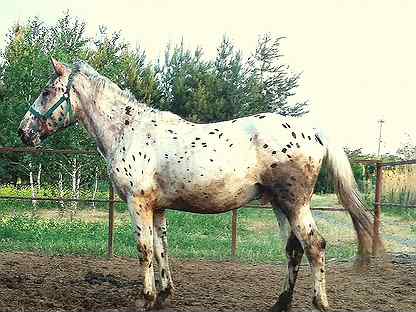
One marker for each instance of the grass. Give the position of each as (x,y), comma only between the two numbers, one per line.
(191,236)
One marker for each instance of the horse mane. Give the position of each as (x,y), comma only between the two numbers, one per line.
(103,82)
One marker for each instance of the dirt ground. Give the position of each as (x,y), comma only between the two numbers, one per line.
(29,282)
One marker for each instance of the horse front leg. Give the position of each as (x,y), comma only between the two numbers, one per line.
(160,242)
(141,211)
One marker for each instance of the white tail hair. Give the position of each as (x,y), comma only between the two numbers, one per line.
(350,197)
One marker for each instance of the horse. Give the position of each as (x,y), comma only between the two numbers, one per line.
(156,161)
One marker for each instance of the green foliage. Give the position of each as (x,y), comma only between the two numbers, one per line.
(184,82)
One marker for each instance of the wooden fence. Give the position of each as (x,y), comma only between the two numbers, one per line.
(111,199)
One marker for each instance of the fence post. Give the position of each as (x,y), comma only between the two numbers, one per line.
(234,233)
(110,221)
(377,246)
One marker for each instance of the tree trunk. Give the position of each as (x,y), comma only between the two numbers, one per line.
(74,204)
(32,187)
(61,192)
(38,177)
(78,182)
(94,194)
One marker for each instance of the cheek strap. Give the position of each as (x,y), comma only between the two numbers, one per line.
(64,98)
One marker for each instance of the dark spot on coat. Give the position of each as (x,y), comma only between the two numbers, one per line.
(294,135)
(318,139)
(126,122)
(265,146)
(284,150)
(134,158)
(142,192)
(212,132)
(284,126)
(261,117)
(297,145)
(274,152)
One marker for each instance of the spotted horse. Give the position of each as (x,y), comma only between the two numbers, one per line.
(157,161)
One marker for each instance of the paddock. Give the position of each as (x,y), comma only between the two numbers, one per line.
(37,282)
(32,282)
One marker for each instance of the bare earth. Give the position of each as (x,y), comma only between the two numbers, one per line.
(29,282)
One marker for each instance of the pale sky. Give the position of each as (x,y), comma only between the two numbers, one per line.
(358,58)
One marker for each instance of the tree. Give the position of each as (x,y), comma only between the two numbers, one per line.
(273,81)
(407,150)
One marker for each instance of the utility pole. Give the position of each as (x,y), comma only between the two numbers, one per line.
(381,121)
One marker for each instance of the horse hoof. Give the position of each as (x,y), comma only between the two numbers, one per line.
(149,301)
(163,295)
(277,307)
(321,305)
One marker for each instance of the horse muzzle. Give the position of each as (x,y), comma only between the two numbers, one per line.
(29,137)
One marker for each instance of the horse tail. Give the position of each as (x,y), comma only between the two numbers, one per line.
(350,197)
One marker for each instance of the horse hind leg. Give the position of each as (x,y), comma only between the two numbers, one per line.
(283,223)
(303,238)
(313,244)
(294,254)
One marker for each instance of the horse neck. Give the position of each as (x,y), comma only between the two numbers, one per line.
(105,113)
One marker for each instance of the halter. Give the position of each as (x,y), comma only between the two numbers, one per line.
(64,98)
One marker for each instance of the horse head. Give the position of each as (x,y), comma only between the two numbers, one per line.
(53,109)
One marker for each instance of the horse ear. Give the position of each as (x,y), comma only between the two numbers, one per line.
(60,68)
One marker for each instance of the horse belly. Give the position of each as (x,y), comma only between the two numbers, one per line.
(214,198)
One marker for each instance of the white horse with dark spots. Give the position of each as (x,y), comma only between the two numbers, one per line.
(157,161)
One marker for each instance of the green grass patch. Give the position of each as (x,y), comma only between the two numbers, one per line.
(191,236)
(403,213)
